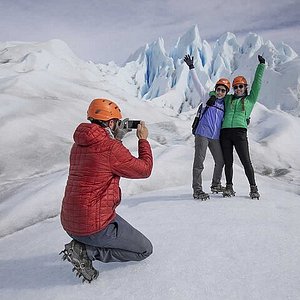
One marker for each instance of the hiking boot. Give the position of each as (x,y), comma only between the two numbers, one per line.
(217,188)
(228,192)
(200,195)
(76,254)
(254,192)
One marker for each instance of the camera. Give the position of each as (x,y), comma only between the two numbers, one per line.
(130,124)
(133,124)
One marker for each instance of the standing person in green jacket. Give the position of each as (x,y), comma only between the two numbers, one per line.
(238,108)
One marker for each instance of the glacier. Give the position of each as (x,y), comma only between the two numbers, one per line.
(159,73)
(45,90)
(44,93)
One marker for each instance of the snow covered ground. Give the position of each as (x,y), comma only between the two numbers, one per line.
(233,248)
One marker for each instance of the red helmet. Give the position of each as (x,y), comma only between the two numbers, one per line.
(225,82)
(239,80)
(103,110)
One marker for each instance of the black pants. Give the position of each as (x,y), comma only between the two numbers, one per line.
(237,138)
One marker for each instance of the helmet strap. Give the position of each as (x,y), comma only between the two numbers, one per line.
(103,124)
(110,132)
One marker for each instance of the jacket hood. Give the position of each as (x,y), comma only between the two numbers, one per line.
(88,134)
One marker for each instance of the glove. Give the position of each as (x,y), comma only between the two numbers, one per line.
(189,61)
(121,129)
(211,101)
(261,59)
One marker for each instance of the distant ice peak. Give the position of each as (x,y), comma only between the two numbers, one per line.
(160,72)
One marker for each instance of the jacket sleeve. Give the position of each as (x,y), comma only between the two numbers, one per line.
(124,164)
(198,86)
(256,85)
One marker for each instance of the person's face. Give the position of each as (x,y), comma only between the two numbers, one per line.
(239,90)
(112,124)
(220,91)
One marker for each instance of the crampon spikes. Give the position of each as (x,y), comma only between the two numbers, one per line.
(75,253)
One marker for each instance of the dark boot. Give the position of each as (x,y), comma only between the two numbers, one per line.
(200,195)
(228,192)
(76,254)
(217,188)
(254,192)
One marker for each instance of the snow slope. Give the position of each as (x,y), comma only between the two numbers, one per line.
(221,249)
(233,249)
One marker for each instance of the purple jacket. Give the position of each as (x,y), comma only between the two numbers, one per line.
(211,121)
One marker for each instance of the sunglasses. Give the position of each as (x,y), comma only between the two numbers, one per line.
(240,86)
(220,90)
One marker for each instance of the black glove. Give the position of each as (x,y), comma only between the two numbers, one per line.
(211,101)
(189,61)
(261,59)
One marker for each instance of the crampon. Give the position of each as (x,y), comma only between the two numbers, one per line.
(76,254)
(218,188)
(200,196)
(228,191)
(254,194)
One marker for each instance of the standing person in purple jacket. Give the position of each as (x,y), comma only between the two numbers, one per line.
(207,132)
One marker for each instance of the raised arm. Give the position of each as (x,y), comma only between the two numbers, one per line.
(198,86)
(256,85)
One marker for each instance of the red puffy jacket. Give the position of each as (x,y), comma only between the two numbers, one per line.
(97,162)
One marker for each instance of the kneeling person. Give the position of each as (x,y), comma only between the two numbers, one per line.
(98,160)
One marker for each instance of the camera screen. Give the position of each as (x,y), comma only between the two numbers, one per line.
(133,124)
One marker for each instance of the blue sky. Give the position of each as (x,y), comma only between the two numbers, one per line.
(104,30)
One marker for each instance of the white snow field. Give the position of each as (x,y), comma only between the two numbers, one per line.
(223,248)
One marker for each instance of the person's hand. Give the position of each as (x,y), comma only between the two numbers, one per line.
(211,101)
(261,59)
(189,61)
(142,131)
(121,129)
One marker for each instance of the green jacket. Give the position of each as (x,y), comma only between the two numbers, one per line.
(235,112)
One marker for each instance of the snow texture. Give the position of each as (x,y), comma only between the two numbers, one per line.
(233,248)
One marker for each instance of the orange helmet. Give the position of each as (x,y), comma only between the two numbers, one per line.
(239,80)
(104,110)
(225,82)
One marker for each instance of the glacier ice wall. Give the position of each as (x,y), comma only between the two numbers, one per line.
(160,73)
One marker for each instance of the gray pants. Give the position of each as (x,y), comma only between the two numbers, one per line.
(118,242)
(201,144)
